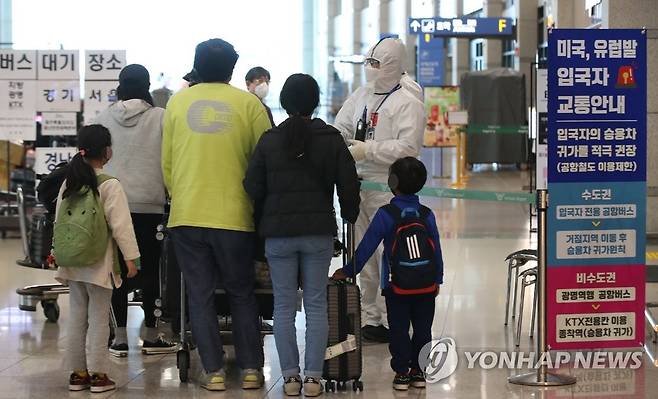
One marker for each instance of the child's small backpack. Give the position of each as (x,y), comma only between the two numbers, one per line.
(413,262)
(81,231)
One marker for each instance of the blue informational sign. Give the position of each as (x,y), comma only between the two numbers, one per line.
(597,139)
(387,35)
(431,61)
(462,27)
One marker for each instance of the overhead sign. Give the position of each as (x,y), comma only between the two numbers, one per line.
(58,65)
(104,64)
(431,61)
(462,27)
(58,95)
(46,158)
(597,139)
(18,109)
(99,95)
(59,123)
(18,64)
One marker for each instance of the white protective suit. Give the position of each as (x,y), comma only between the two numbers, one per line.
(412,86)
(397,134)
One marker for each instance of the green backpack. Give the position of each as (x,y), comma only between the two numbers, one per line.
(81,230)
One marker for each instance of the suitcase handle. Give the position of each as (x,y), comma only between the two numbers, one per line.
(350,245)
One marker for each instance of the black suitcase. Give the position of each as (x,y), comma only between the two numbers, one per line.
(41,237)
(344,313)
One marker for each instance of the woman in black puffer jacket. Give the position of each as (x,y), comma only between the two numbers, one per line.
(291,177)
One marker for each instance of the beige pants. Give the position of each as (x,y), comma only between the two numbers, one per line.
(89,326)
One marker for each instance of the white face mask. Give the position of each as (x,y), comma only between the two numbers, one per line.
(261,90)
(372,74)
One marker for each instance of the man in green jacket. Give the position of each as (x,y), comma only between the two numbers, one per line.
(210,132)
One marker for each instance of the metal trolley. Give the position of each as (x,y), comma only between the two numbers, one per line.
(32,295)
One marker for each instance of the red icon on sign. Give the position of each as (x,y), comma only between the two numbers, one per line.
(625,77)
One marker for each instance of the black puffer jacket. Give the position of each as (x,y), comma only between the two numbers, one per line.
(294,197)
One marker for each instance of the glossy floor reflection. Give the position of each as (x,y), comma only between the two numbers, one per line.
(476,237)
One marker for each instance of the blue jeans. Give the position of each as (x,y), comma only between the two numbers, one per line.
(204,255)
(287,257)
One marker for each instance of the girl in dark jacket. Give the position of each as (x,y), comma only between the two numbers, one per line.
(291,177)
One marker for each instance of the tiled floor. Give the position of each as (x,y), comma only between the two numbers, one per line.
(476,237)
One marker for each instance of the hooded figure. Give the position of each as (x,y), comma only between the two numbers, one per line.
(393,120)
(136,129)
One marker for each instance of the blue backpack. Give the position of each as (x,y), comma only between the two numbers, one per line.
(413,263)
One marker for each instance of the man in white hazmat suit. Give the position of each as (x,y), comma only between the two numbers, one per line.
(393,120)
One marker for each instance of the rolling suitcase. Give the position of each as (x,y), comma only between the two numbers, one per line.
(343,360)
(41,237)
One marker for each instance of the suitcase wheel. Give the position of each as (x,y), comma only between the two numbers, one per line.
(183,363)
(357,385)
(330,386)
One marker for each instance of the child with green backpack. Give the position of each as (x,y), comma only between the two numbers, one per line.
(92,222)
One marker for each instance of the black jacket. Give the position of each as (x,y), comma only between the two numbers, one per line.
(294,197)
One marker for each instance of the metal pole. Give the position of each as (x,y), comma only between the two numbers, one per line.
(542,377)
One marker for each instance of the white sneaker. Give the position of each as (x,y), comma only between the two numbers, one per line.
(215,381)
(312,387)
(292,386)
(252,379)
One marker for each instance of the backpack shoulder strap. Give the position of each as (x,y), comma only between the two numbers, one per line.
(394,212)
(102,178)
(425,212)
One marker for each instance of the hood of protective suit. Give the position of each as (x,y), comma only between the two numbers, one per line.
(391,64)
(127,113)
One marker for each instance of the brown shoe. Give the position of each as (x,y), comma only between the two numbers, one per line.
(79,381)
(101,383)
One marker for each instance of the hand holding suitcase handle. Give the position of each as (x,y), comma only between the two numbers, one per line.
(339,275)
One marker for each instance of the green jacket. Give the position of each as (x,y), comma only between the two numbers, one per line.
(210,132)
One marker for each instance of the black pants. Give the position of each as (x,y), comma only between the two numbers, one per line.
(403,310)
(205,257)
(145,225)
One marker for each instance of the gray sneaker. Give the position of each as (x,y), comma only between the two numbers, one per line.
(312,387)
(215,381)
(292,386)
(252,379)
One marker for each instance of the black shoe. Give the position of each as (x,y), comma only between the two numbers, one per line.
(119,350)
(401,382)
(375,334)
(158,347)
(417,378)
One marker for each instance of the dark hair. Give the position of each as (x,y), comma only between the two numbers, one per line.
(407,175)
(134,83)
(255,73)
(214,60)
(299,96)
(93,141)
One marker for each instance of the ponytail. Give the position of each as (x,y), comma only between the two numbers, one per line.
(79,174)
(93,141)
(296,136)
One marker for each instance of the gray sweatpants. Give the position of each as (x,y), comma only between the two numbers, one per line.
(89,319)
